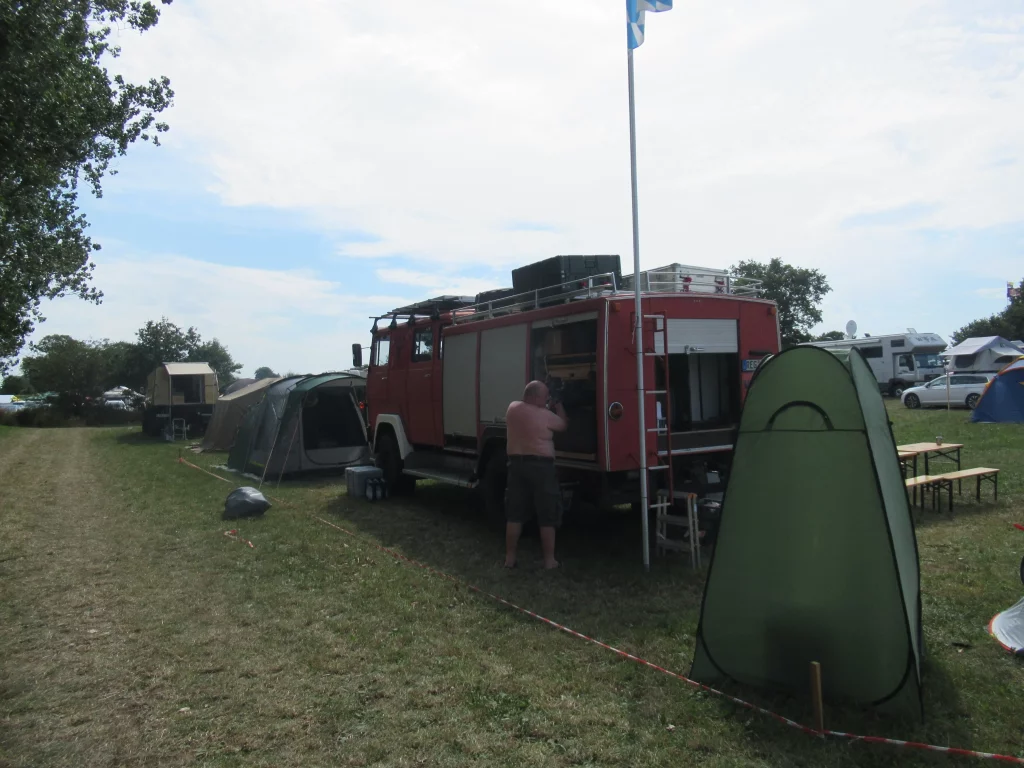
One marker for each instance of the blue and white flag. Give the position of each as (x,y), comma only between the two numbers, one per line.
(635,18)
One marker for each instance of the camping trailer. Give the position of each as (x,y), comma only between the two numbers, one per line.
(179,391)
(898,361)
(984,354)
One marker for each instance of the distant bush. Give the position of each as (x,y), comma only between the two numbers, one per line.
(55,416)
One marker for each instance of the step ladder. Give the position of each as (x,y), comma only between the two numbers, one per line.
(179,429)
(665,521)
(661,475)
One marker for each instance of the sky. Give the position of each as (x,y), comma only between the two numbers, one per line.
(331,159)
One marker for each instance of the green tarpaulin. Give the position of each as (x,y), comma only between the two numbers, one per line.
(816,558)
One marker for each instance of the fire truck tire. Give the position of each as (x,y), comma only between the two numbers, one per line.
(495,477)
(389,459)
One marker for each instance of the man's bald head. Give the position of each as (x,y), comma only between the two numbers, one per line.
(536,393)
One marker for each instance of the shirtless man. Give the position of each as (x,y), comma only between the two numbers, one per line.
(533,488)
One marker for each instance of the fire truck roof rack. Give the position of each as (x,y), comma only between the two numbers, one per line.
(675,278)
(683,278)
(574,290)
(438,304)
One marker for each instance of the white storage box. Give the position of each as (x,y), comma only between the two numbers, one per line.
(356,477)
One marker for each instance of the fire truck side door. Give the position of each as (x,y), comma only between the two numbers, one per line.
(420,386)
(377,376)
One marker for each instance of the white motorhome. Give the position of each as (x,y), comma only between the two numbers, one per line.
(984,354)
(900,360)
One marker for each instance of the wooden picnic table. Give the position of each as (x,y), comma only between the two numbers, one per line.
(904,457)
(949,451)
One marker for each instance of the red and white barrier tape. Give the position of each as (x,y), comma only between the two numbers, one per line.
(682,678)
(233,534)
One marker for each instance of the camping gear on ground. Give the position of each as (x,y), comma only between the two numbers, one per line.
(303,423)
(816,558)
(244,502)
(1008,627)
(376,489)
(229,412)
(1003,398)
(357,477)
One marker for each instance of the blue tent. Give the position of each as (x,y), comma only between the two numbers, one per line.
(1003,399)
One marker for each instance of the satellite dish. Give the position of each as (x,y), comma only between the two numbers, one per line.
(851,330)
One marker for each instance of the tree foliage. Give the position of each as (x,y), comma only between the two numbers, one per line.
(16,385)
(831,336)
(217,355)
(162,341)
(265,372)
(87,368)
(66,365)
(64,121)
(797,292)
(1009,323)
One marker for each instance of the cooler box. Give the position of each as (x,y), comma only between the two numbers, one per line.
(545,276)
(356,477)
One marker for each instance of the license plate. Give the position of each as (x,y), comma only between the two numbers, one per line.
(751,365)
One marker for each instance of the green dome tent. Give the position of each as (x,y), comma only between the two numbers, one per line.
(816,558)
(303,423)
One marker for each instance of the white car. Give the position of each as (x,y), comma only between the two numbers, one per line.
(964,391)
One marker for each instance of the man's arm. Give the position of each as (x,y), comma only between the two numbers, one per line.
(561,422)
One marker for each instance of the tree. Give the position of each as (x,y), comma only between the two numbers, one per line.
(157,343)
(831,336)
(1009,323)
(66,365)
(214,353)
(16,385)
(64,120)
(160,342)
(797,292)
(265,372)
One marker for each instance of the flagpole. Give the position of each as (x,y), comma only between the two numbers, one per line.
(638,326)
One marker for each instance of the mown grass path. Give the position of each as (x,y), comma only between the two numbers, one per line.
(136,633)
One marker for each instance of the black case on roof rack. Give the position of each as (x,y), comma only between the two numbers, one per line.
(546,276)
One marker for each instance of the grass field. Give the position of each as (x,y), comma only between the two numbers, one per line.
(136,633)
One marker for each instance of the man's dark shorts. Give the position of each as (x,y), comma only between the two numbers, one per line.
(533,491)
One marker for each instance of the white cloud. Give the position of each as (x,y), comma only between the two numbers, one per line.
(762,128)
(287,319)
(437,284)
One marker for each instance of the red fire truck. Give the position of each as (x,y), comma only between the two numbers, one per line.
(443,372)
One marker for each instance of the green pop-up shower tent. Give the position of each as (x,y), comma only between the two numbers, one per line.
(816,558)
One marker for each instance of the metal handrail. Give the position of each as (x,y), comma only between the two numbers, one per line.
(679,278)
(595,285)
(678,281)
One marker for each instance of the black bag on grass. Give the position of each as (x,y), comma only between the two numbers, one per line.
(244,502)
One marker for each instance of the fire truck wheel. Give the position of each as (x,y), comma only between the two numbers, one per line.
(494,481)
(389,460)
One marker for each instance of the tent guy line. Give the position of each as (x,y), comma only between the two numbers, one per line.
(624,654)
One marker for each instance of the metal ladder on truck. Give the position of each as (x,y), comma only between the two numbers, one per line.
(661,475)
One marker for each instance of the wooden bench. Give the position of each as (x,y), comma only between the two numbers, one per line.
(979,474)
(935,483)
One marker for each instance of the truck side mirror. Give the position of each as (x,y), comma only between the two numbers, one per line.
(357,355)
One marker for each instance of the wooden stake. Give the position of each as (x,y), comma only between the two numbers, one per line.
(819,709)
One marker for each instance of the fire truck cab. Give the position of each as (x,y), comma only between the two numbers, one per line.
(442,373)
